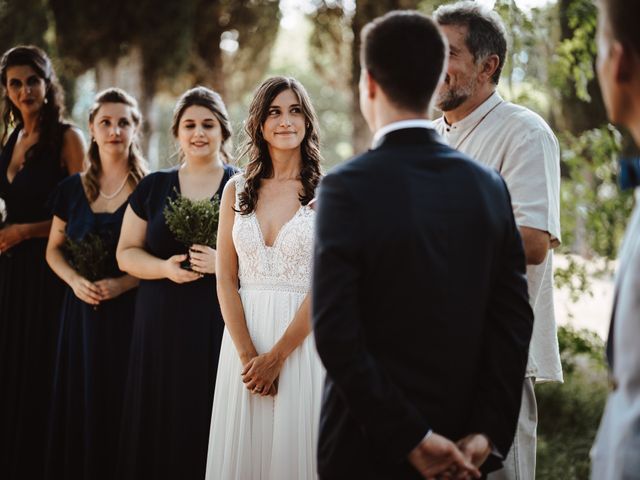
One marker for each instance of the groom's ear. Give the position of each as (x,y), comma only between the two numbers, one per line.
(372,86)
(624,62)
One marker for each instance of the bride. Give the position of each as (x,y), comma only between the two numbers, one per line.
(267,400)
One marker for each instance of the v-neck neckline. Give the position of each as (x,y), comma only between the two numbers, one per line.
(220,185)
(10,147)
(86,200)
(284,225)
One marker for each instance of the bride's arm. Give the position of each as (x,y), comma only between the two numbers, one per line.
(296,332)
(227,279)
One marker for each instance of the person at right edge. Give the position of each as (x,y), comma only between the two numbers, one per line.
(616,453)
(522,148)
(419,298)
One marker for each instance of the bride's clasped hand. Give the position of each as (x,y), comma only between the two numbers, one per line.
(260,374)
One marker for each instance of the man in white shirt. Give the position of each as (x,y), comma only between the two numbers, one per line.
(616,453)
(521,146)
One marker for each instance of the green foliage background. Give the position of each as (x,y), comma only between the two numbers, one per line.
(569,413)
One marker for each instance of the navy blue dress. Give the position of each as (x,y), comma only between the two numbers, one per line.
(30,299)
(92,355)
(174,355)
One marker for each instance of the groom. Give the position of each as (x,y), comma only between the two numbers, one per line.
(420,304)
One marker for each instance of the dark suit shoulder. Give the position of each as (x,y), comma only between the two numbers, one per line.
(392,171)
(350,165)
(473,170)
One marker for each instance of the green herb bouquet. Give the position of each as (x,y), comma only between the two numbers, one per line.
(90,257)
(193,221)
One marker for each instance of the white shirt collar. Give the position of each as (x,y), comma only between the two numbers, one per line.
(401,125)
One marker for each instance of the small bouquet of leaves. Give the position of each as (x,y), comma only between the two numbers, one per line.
(90,257)
(193,221)
(3,213)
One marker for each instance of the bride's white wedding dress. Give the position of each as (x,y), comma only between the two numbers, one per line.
(275,438)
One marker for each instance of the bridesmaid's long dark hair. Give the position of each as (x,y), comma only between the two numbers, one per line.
(50,124)
(256,147)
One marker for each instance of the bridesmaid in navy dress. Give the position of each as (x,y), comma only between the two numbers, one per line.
(39,153)
(97,316)
(178,325)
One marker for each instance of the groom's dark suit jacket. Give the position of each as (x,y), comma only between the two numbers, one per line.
(420,305)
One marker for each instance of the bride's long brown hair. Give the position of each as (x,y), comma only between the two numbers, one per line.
(256,147)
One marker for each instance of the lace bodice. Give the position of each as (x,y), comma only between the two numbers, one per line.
(284,266)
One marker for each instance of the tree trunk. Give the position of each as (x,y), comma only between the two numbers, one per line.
(209,71)
(207,61)
(578,115)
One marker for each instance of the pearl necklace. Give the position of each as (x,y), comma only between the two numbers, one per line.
(117,192)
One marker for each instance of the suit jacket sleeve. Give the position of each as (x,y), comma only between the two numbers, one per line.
(389,421)
(506,341)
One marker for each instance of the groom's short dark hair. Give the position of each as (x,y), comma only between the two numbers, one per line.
(404,52)
(623,20)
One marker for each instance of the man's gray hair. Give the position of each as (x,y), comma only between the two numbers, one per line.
(486,33)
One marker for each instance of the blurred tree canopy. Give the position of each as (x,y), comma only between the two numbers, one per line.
(23,21)
(550,68)
(334,23)
(594,210)
(148,47)
(174,38)
(157,50)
